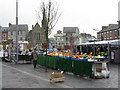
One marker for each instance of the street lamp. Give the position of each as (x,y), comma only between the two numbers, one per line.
(16,31)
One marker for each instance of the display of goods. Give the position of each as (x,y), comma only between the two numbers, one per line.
(77,55)
(99,56)
(103,54)
(98,69)
(99,77)
(56,75)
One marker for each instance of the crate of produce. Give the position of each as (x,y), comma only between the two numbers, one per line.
(56,77)
(99,77)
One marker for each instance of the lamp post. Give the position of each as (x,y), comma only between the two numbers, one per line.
(16,31)
(118,32)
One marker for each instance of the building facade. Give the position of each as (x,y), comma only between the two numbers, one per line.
(0,34)
(52,42)
(86,38)
(36,36)
(60,39)
(4,33)
(71,35)
(22,32)
(109,32)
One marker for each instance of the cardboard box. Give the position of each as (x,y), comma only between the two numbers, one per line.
(98,69)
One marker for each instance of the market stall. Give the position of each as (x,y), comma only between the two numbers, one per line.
(75,66)
(82,62)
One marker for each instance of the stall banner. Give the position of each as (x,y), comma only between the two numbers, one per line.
(70,46)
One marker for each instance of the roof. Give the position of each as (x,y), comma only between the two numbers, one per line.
(70,29)
(112,42)
(110,27)
(4,29)
(20,27)
(59,35)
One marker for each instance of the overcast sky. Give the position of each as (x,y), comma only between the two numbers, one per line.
(84,14)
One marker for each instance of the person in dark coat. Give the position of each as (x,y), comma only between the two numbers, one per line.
(35,57)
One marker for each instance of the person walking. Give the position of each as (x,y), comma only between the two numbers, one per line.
(35,56)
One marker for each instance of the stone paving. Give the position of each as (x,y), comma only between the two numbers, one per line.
(24,76)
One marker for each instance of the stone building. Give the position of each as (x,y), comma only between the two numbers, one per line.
(60,39)
(86,38)
(22,32)
(72,35)
(36,36)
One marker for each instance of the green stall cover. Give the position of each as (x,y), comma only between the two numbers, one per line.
(68,65)
(82,67)
(41,60)
(52,62)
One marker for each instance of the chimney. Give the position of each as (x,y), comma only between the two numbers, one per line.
(104,27)
(10,24)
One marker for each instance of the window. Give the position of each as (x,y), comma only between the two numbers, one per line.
(21,32)
(37,36)
(21,38)
(110,33)
(116,33)
(18,32)
(4,35)
(105,34)
(66,38)
(11,33)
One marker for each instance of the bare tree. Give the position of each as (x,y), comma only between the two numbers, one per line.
(48,16)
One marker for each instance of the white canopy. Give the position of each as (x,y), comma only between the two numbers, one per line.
(112,42)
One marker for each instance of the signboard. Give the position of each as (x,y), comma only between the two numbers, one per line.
(7,42)
(10,40)
(44,45)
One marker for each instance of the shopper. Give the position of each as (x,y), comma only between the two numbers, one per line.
(35,56)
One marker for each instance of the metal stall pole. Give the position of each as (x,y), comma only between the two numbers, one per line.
(109,57)
(94,62)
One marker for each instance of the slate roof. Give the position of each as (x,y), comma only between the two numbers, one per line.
(110,27)
(4,29)
(69,29)
(20,27)
(59,35)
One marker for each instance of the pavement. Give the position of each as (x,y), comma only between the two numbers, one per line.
(1,53)
(0,75)
(24,76)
